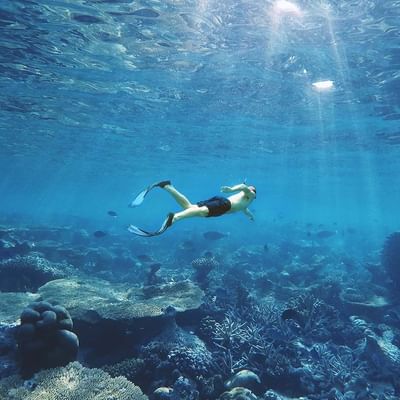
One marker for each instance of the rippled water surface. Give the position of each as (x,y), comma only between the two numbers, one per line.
(101,96)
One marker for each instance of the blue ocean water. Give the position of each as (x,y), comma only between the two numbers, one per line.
(101,98)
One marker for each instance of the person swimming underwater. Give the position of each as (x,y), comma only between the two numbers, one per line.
(213,207)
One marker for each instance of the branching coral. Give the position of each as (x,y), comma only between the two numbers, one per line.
(241,344)
(315,319)
(336,367)
(229,337)
(231,333)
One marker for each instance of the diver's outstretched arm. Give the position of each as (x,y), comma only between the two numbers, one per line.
(236,188)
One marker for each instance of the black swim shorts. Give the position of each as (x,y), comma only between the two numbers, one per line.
(216,206)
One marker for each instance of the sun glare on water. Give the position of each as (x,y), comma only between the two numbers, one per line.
(323,85)
(288,7)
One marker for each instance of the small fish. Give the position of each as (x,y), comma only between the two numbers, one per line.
(87,19)
(144,258)
(394,316)
(99,234)
(146,13)
(290,313)
(266,248)
(112,214)
(214,235)
(155,267)
(187,244)
(325,234)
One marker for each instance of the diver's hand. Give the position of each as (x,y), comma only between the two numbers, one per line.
(226,189)
(248,214)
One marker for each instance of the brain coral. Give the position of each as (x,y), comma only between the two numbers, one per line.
(45,338)
(73,382)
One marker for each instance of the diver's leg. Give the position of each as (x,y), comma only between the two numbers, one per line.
(193,211)
(182,200)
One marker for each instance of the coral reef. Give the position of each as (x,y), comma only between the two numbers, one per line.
(28,273)
(9,249)
(381,352)
(391,257)
(372,307)
(183,389)
(210,388)
(244,378)
(290,319)
(7,350)
(45,338)
(194,360)
(329,367)
(11,305)
(315,318)
(130,368)
(70,383)
(202,267)
(178,349)
(152,276)
(238,393)
(162,393)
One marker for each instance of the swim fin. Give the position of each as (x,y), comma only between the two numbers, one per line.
(141,232)
(140,197)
